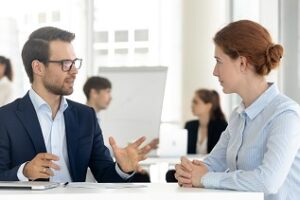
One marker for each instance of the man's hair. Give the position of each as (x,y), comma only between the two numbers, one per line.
(37,46)
(97,83)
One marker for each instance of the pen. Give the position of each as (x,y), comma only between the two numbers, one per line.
(65,184)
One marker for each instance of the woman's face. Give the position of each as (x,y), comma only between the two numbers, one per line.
(2,70)
(227,70)
(199,108)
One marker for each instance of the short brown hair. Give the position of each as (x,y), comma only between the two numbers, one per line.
(97,83)
(251,40)
(37,46)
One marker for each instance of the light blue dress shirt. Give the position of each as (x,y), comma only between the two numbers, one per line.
(54,134)
(259,150)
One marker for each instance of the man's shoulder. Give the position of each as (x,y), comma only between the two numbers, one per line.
(10,106)
(80,112)
(79,106)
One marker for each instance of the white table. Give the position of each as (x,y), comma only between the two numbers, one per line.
(158,166)
(169,191)
(169,160)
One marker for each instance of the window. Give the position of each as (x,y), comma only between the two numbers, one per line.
(140,33)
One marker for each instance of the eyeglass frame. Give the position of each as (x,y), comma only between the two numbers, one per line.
(63,64)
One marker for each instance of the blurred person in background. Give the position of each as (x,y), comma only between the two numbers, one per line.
(6,85)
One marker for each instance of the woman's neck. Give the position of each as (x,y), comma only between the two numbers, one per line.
(204,120)
(253,90)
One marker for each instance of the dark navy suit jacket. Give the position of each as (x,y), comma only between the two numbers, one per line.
(21,140)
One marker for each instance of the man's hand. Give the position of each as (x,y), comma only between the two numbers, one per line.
(41,166)
(129,157)
(154,143)
(189,173)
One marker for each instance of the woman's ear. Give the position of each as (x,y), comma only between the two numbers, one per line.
(243,64)
(209,106)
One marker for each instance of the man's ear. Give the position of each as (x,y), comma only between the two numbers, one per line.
(93,92)
(37,67)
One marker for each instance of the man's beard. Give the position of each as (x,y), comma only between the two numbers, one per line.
(55,89)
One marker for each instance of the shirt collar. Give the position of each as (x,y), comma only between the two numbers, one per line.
(38,102)
(260,103)
(4,80)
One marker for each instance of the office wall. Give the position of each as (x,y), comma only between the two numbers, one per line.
(201,20)
(290,38)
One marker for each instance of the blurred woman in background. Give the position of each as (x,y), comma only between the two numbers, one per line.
(6,86)
(204,132)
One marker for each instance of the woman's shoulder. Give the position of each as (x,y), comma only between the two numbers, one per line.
(219,121)
(191,123)
(283,103)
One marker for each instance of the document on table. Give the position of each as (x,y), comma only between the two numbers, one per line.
(87,185)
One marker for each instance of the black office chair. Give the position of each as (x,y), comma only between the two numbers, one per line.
(170,176)
(140,178)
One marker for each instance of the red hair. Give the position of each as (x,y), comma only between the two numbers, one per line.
(251,40)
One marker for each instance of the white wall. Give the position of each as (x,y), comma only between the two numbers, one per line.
(201,20)
(290,38)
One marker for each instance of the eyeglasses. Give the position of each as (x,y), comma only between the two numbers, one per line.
(66,65)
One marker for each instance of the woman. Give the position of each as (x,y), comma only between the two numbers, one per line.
(203,133)
(259,150)
(6,87)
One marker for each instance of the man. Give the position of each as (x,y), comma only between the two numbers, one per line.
(44,135)
(98,94)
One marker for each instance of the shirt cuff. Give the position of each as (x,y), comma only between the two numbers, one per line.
(123,174)
(20,174)
(212,180)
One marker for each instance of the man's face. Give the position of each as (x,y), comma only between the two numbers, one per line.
(55,80)
(103,98)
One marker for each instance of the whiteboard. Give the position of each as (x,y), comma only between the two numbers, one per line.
(136,106)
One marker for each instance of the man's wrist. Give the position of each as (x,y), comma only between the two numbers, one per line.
(123,174)
(129,173)
(20,174)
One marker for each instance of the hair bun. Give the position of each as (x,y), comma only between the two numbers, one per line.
(274,53)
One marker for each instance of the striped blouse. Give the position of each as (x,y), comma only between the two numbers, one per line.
(259,150)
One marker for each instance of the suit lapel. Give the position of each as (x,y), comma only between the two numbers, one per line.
(72,129)
(29,119)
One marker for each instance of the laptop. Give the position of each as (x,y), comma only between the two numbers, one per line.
(172,142)
(31,185)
